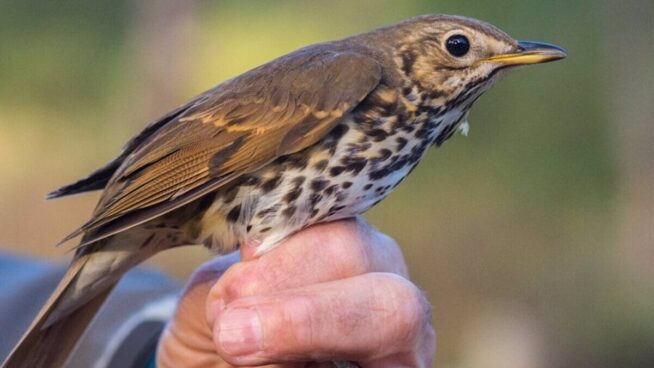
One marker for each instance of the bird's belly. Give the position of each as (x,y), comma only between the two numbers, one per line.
(329,181)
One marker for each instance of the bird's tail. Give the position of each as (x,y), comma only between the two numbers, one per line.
(48,344)
(93,273)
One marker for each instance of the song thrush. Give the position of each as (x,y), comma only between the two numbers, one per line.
(320,134)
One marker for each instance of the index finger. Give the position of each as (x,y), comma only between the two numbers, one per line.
(321,253)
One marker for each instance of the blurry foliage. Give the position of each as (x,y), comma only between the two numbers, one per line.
(521,213)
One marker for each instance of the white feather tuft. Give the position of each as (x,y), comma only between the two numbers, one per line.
(464,127)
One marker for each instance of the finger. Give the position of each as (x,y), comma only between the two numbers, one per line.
(187,338)
(363,318)
(317,254)
(350,236)
(248,250)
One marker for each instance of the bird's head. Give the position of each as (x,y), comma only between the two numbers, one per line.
(458,58)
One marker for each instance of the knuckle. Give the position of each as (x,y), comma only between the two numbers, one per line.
(344,233)
(419,307)
(417,303)
(378,251)
(236,283)
(351,260)
(388,256)
(411,309)
(354,247)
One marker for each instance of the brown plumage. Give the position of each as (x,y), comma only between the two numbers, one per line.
(320,134)
(233,129)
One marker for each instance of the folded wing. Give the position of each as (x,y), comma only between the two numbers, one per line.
(236,128)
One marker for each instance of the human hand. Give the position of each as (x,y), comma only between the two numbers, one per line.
(336,291)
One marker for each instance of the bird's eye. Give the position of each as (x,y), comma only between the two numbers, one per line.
(457,45)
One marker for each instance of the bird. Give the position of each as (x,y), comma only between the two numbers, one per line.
(320,134)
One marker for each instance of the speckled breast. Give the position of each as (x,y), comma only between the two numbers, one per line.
(349,171)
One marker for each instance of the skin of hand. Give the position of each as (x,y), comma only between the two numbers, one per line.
(332,291)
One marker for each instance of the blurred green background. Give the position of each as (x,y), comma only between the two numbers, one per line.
(533,237)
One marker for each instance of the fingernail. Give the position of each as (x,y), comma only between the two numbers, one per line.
(215,310)
(240,331)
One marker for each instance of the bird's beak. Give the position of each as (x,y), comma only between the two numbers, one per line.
(529,53)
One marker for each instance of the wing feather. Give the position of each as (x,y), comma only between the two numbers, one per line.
(236,128)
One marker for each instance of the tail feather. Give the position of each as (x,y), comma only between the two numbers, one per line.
(92,275)
(49,344)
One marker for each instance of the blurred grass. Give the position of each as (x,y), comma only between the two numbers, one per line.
(517,222)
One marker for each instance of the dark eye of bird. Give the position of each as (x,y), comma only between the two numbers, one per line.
(457,45)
